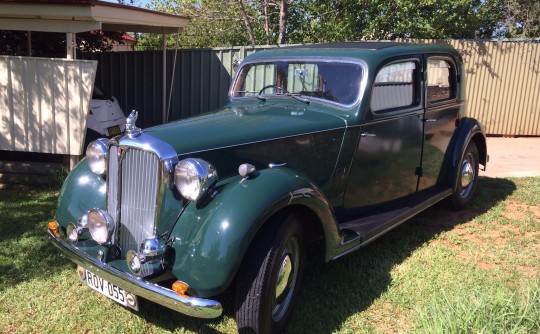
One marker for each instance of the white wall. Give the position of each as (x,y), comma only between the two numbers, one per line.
(44,103)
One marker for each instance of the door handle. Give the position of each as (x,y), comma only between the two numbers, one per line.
(430,120)
(367,134)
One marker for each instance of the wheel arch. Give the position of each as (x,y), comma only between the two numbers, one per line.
(468,130)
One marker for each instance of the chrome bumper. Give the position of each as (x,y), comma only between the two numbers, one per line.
(194,307)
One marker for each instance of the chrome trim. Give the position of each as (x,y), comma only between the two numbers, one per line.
(191,306)
(347,60)
(274,165)
(131,129)
(246,170)
(151,247)
(166,157)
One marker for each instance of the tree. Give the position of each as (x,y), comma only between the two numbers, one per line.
(242,22)
(522,19)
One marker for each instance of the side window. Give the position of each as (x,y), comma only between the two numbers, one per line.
(395,86)
(441,80)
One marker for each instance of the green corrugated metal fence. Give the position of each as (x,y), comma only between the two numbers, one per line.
(503,81)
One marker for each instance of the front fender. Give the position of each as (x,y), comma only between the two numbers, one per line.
(210,240)
(82,190)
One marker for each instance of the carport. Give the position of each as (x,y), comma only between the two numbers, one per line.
(70,17)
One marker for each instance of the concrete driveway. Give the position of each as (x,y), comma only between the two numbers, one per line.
(513,157)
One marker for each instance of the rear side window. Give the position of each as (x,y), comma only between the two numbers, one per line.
(441,80)
(395,86)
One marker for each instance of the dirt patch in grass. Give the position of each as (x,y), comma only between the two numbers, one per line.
(480,243)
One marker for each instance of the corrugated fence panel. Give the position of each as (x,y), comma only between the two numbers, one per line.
(502,82)
(44,104)
(200,82)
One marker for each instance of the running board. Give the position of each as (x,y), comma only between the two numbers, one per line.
(359,232)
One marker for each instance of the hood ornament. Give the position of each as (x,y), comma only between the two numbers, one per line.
(131,129)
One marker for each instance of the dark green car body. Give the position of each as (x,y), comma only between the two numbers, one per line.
(351,168)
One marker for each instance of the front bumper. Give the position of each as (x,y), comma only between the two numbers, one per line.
(194,307)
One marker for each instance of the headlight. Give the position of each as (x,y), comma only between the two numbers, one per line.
(193,178)
(100,225)
(96,154)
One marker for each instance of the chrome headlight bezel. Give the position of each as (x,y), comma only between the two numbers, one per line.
(194,177)
(100,225)
(96,156)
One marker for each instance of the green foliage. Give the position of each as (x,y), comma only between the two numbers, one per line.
(221,23)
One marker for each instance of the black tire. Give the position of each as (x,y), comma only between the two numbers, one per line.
(466,178)
(262,304)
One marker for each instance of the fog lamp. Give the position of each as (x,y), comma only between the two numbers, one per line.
(72,233)
(100,225)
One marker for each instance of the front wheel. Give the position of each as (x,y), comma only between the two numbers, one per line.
(467,178)
(270,277)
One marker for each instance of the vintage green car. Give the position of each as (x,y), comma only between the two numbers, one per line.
(332,142)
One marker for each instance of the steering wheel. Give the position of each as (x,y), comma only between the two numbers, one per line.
(273,86)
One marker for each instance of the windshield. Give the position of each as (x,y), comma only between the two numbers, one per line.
(337,82)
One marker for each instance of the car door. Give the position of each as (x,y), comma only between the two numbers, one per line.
(388,154)
(442,109)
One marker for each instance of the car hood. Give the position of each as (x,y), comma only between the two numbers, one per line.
(240,125)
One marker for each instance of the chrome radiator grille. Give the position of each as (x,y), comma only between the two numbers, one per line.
(133,182)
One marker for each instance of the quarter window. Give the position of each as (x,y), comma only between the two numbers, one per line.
(441,79)
(395,86)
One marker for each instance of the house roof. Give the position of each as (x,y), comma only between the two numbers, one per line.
(84,15)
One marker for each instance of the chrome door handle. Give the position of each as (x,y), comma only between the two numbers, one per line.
(430,120)
(367,134)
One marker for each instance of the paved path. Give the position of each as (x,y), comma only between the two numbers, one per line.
(515,157)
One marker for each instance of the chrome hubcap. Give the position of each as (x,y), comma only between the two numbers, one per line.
(467,174)
(286,279)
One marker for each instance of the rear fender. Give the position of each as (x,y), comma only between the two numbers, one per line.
(210,239)
(468,129)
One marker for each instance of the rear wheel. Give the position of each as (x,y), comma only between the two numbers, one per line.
(270,276)
(467,178)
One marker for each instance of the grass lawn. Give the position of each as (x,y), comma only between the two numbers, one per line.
(473,271)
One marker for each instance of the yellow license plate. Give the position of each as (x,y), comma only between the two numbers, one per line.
(114,130)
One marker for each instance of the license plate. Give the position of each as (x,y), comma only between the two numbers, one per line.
(114,130)
(108,289)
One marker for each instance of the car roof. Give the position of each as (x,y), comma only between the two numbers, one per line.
(366,45)
(371,52)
